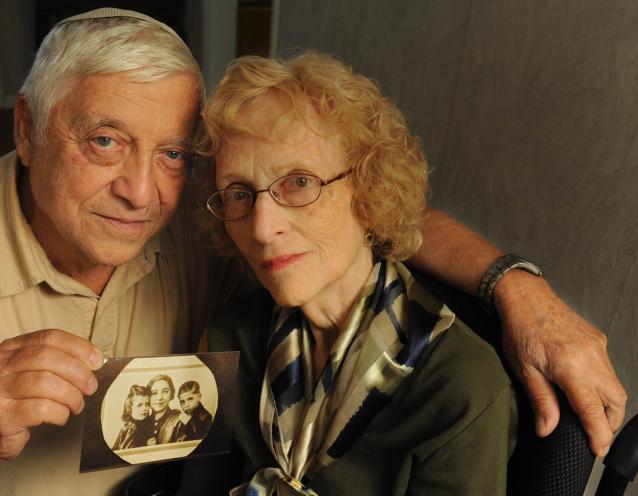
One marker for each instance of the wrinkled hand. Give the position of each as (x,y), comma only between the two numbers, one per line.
(44,376)
(545,341)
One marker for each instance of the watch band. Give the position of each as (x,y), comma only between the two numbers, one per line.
(497,270)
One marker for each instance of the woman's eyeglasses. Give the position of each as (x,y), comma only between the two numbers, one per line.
(292,190)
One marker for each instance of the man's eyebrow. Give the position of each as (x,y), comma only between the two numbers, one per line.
(186,143)
(89,122)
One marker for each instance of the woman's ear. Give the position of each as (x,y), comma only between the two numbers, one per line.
(23,130)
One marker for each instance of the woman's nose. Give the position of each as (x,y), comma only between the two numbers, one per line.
(269,218)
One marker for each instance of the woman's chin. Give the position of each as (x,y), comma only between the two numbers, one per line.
(287,297)
(285,301)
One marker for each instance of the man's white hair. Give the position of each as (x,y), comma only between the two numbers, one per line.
(143,48)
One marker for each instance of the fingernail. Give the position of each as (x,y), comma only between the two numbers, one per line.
(92,386)
(96,359)
(541,424)
(604,452)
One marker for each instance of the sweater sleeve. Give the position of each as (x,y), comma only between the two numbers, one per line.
(472,462)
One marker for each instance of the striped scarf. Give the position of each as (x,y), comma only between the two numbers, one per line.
(308,424)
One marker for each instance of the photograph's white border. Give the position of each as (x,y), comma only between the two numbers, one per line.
(139,371)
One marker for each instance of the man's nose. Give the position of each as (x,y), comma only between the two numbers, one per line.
(268,218)
(135,182)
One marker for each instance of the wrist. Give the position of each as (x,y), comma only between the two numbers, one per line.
(515,287)
(494,277)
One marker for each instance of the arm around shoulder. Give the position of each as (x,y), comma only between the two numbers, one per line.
(545,341)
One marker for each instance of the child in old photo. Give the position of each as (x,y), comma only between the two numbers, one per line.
(200,419)
(137,426)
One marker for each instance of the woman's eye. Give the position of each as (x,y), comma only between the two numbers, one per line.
(301,181)
(238,196)
(292,183)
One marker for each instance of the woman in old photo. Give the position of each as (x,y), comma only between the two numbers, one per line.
(167,426)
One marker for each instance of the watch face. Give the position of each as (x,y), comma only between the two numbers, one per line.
(527,266)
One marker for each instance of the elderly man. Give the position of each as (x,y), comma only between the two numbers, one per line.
(103,133)
(92,266)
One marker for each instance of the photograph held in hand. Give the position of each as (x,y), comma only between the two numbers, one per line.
(151,409)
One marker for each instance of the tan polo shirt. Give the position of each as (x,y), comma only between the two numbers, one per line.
(155,304)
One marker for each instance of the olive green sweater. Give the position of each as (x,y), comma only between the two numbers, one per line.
(448,430)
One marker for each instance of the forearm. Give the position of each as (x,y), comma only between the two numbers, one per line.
(544,340)
(453,253)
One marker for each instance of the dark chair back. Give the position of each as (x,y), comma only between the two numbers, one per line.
(558,465)
(621,463)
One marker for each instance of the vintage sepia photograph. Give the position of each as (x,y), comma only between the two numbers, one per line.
(150,409)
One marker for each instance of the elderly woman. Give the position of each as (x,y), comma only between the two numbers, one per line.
(353,378)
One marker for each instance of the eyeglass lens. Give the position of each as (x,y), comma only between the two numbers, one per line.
(294,190)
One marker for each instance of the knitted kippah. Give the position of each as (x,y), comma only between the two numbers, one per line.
(107,12)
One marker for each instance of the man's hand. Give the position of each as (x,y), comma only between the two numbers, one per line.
(44,376)
(545,340)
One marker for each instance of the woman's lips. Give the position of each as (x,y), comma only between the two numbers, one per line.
(278,263)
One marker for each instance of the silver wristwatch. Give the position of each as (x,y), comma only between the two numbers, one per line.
(497,270)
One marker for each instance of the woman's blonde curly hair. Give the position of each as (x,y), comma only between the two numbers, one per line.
(389,178)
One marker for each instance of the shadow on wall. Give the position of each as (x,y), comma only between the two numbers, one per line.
(6,130)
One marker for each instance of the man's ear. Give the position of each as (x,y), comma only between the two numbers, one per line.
(23,130)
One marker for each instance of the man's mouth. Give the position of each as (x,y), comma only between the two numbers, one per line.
(125,224)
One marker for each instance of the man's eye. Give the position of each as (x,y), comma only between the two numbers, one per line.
(175,160)
(103,141)
(174,154)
